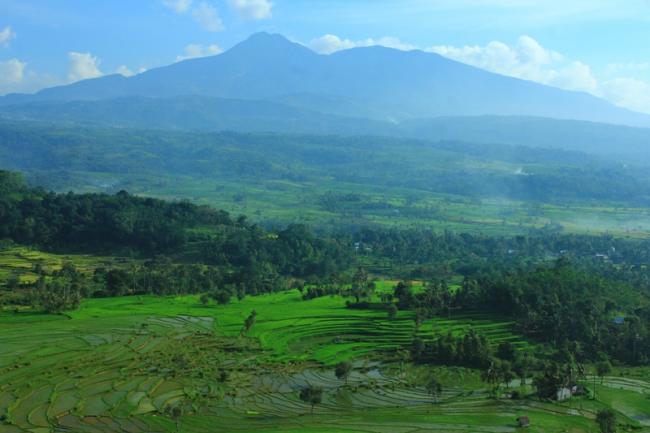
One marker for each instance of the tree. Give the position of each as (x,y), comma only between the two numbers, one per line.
(311,395)
(521,367)
(603,368)
(360,286)
(392,311)
(13,282)
(204,299)
(491,373)
(505,372)
(506,351)
(606,420)
(117,282)
(417,347)
(63,292)
(434,388)
(418,318)
(404,294)
(175,412)
(343,371)
(386,297)
(221,296)
(250,321)
(549,381)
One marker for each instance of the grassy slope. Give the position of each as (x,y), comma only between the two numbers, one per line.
(321,330)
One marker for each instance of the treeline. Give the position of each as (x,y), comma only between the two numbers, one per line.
(564,305)
(559,304)
(470,350)
(424,254)
(98,222)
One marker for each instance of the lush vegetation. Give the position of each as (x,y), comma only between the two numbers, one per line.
(194,314)
(330,181)
(134,361)
(190,279)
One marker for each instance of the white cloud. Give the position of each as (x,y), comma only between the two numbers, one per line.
(83,66)
(178,6)
(127,72)
(576,76)
(253,9)
(12,72)
(6,35)
(208,17)
(16,78)
(329,44)
(203,13)
(633,67)
(528,60)
(628,92)
(193,51)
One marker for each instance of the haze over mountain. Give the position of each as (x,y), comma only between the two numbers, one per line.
(196,113)
(372,82)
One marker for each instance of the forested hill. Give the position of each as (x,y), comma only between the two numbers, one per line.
(88,155)
(96,222)
(146,227)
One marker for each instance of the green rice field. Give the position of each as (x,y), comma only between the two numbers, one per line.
(120,364)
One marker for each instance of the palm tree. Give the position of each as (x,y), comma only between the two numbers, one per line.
(312,395)
(606,420)
(505,372)
(434,388)
(175,412)
(343,371)
(491,374)
(521,367)
(602,369)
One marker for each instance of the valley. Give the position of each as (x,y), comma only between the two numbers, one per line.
(410,225)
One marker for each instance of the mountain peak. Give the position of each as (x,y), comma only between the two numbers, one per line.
(264,42)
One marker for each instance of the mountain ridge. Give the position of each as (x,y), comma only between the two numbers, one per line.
(204,114)
(370,82)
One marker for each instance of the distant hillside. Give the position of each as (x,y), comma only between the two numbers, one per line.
(449,167)
(372,82)
(196,113)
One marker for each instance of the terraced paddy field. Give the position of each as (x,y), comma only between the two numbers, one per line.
(122,364)
(20,261)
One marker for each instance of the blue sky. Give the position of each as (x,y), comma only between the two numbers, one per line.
(598,46)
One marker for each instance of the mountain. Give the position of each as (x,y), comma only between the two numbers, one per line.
(197,113)
(372,82)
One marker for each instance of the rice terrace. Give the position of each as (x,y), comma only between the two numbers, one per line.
(100,370)
(252,216)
